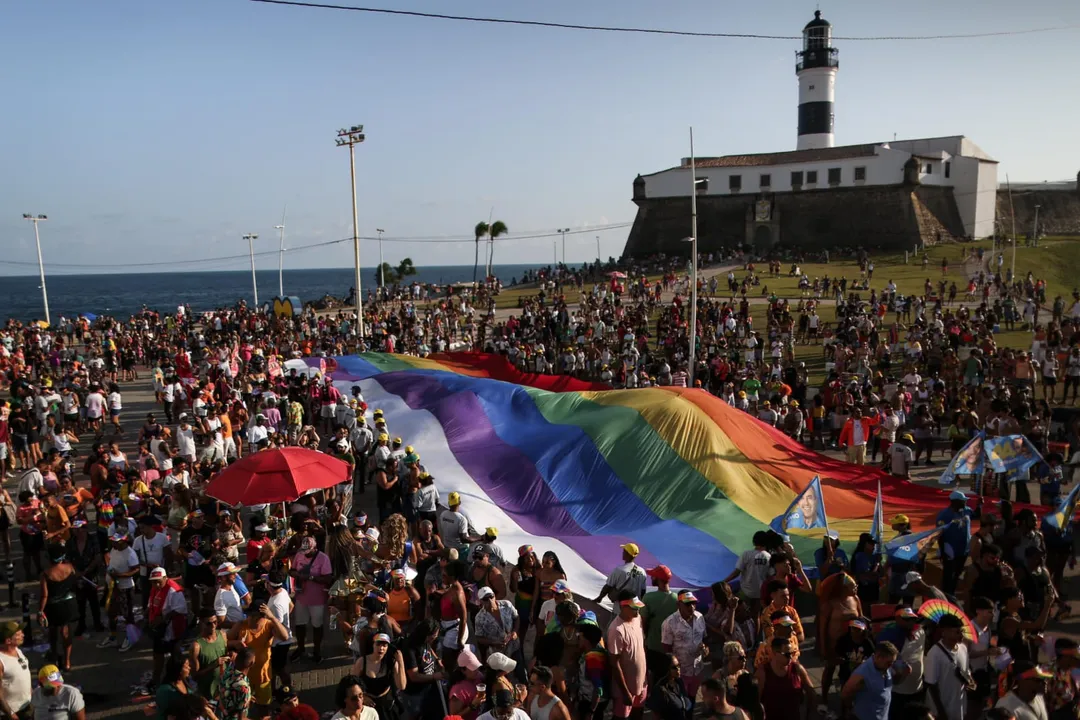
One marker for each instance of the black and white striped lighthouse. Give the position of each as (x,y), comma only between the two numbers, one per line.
(816,68)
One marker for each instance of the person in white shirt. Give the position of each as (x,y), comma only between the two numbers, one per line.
(122,569)
(1025,701)
(116,404)
(683,634)
(257,433)
(185,439)
(150,547)
(95,409)
(15,668)
(281,606)
(946,671)
(226,600)
(901,457)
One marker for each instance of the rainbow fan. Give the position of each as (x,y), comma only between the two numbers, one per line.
(934,610)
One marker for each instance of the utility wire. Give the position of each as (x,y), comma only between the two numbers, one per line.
(531,235)
(654,31)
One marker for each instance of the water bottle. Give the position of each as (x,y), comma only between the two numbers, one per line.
(333,618)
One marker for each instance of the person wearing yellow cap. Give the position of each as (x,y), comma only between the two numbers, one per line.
(455,526)
(53,698)
(486,544)
(627,576)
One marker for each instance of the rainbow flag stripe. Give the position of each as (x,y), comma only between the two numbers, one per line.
(580,469)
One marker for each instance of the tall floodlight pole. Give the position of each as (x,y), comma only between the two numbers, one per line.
(554,253)
(351,138)
(382,278)
(597,248)
(41,265)
(563,231)
(696,186)
(281,254)
(251,238)
(1035,230)
(1012,212)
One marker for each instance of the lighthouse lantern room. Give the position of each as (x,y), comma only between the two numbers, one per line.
(816,67)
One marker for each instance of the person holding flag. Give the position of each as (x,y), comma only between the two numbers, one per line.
(954,522)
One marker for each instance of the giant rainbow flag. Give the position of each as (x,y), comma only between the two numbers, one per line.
(580,469)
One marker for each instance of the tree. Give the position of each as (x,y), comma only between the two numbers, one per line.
(385,271)
(394,275)
(479,231)
(405,269)
(494,230)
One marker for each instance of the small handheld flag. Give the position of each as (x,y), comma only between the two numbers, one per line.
(1063,514)
(877,525)
(908,547)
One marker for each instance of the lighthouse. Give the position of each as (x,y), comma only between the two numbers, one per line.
(816,67)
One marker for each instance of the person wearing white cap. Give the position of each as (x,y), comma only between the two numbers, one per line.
(683,634)
(122,569)
(313,575)
(167,617)
(226,600)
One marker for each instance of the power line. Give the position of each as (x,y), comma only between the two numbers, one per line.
(653,31)
(529,235)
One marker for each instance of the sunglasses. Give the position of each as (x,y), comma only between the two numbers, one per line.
(788,654)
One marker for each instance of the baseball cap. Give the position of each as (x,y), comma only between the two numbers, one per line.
(8,629)
(857,623)
(382,637)
(468,660)
(957,495)
(785,621)
(307,544)
(911,577)
(1036,673)
(397,572)
(687,597)
(631,549)
(227,568)
(832,534)
(372,532)
(632,603)
(491,532)
(900,520)
(485,592)
(263,527)
(453,499)
(50,675)
(660,572)
(906,612)
(158,573)
(560,586)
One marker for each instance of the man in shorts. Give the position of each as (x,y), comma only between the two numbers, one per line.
(313,575)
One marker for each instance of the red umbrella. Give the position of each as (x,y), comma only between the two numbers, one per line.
(274,476)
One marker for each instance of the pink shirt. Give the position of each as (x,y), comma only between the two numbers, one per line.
(626,641)
(312,593)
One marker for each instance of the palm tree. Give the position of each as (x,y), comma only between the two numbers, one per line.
(404,269)
(479,231)
(496,229)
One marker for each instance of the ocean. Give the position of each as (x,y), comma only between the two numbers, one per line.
(122,295)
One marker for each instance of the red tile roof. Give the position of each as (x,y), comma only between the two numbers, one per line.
(784,158)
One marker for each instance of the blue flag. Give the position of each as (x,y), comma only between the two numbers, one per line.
(969,461)
(908,547)
(1063,515)
(806,512)
(1011,454)
(877,525)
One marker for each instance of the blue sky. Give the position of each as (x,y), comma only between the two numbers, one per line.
(160,131)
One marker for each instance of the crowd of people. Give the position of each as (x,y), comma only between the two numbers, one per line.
(439,619)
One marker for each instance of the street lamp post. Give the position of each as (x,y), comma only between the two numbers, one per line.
(1035,233)
(598,249)
(351,138)
(554,253)
(251,238)
(696,186)
(41,265)
(281,254)
(563,231)
(382,278)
